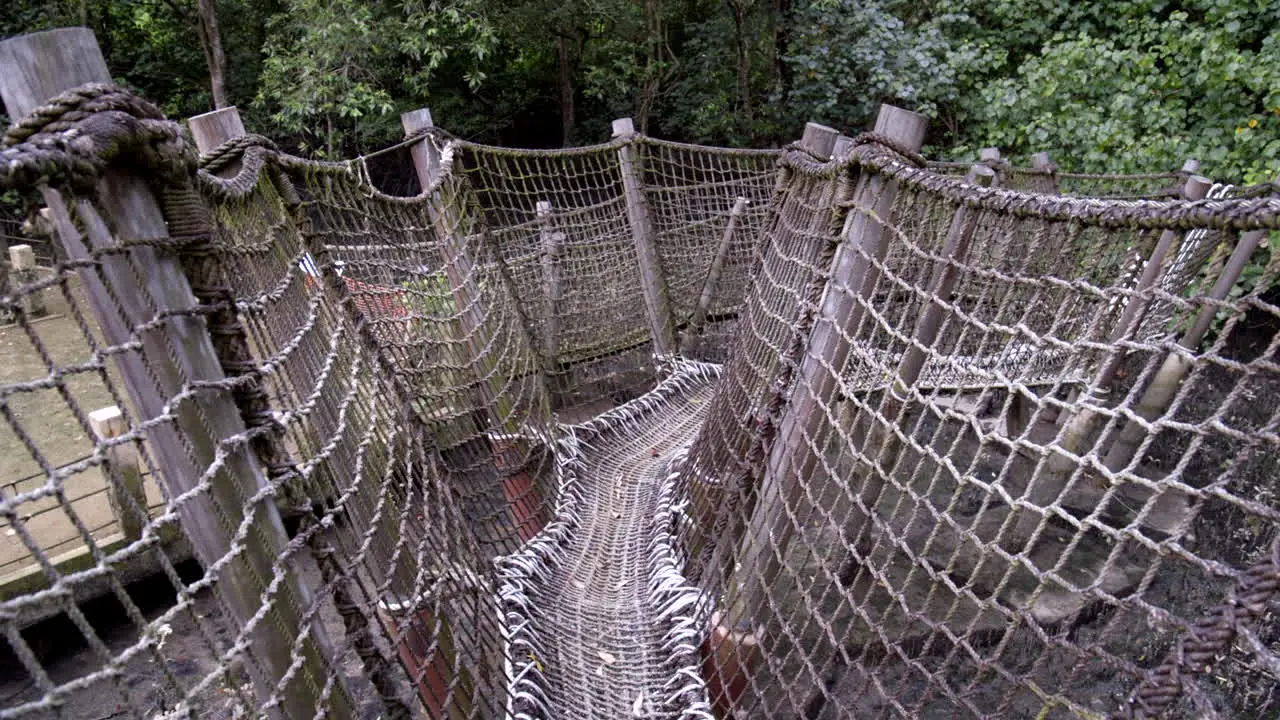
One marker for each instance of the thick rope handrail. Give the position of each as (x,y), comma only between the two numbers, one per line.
(1233,214)
(72,138)
(232,150)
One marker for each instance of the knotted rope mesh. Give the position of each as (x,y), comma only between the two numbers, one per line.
(915,448)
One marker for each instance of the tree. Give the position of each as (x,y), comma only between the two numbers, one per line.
(211,42)
(1147,98)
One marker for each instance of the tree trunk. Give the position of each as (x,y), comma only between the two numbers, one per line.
(653,62)
(739,8)
(566,91)
(211,41)
(781,41)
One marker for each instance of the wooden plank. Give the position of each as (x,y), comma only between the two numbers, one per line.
(174,353)
(653,281)
(34,578)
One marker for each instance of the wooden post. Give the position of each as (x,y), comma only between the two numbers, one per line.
(820,140)
(797,451)
(459,268)
(654,282)
(842,149)
(693,334)
(123,472)
(176,352)
(941,284)
(211,130)
(215,128)
(22,264)
(551,241)
(527,510)
(991,158)
(1164,387)
(1042,162)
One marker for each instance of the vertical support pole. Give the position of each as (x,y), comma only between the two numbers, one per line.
(177,352)
(991,158)
(122,471)
(654,282)
(214,128)
(395,571)
(693,334)
(1042,162)
(1164,387)
(528,511)
(551,240)
(820,140)
(22,264)
(211,130)
(941,284)
(796,452)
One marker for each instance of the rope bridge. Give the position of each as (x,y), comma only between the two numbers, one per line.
(641,429)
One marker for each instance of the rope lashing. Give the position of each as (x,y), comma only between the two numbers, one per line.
(233,150)
(72,138)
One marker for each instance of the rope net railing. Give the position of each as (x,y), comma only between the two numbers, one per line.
(997,528)
(640,429)
(1049,180)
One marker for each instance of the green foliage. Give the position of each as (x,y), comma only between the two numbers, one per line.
(1156,91)
(1104,86)
(848,57)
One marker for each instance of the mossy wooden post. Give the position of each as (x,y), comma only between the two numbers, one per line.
(656,299)
(693,334)
(1042,162)
(123,472)
(1160,394)
(797,453)
(22,271)
(209,131)
(551,241)
(176,352)
(523,496)
(732,648)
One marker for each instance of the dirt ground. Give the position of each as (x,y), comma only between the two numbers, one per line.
(1072,650)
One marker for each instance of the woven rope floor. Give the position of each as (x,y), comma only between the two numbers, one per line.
(598,636)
